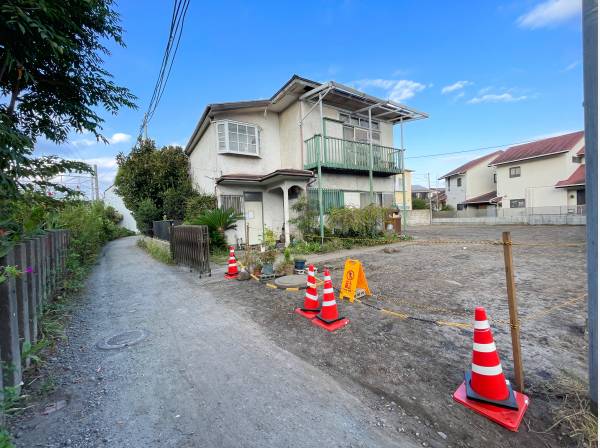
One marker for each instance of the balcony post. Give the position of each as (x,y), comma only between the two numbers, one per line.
(322,146)
(404,211)
(370,160)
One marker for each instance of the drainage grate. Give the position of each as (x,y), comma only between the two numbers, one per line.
(124,339)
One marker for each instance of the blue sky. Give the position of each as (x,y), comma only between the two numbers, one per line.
(488,73)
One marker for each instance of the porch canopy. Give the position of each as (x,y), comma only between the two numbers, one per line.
(352,100)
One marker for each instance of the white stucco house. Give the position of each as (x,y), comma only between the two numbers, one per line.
(545,177)
(259,156)
(110,197)
(472,185)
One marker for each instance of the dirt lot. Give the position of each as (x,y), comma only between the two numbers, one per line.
(407,369)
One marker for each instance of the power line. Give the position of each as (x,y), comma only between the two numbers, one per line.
(180,8)
(470,150)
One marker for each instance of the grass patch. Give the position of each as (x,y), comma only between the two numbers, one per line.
(158,250)
(219,256)
(313,244)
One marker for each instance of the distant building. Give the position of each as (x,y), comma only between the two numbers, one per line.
(114,200)
(438,195)
(547,174)
(402,195)
(472,185)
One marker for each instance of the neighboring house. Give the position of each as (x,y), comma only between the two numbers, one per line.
(438,195)
(260,156)
(420,192)
(472,185)
(547,175)
(404,192)
(114,200)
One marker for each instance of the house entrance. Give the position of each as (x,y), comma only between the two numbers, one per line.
(253,214)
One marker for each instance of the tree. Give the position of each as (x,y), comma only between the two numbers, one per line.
(52,83)
(144,214)
(218,222)
(419,204)
(161,175)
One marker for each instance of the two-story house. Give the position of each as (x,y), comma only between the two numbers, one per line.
(472,185)
(546,176)
(326,140)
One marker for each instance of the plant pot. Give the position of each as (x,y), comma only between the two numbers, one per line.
(267,269)
(299,264)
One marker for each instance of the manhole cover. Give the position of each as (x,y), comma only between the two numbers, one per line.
(124,339)
(291,281)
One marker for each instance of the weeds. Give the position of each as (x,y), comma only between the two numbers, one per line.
(5,440)
(157,250)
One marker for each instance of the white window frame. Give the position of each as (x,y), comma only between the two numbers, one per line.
(227,149)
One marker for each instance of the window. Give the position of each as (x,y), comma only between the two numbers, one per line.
(448,182)
(357,128)
(460,206)
(239,138)
(577,159)
(515,171)
(230,201)
(517,203)
(495,178)
(459,182)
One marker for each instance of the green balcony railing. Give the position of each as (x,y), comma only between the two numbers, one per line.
(350,155)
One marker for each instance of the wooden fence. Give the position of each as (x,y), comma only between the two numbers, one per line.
(42,262)
(190,246)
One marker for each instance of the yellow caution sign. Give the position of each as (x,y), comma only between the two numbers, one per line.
(354,277)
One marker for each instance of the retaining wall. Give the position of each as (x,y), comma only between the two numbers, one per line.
(417,217)
(576,220)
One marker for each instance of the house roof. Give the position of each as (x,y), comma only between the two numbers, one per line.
(419,188)
(575,179)
(487,198)
(581,152)
(539,148)
(467,166)
(260,178)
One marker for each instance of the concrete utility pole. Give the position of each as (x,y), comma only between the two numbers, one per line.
(96,186)
(430,198)
(590,96)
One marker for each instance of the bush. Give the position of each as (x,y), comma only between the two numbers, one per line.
(218,222)
(308,216)
(198,204)
(364,222)
(419,204)
(158,250)
(145,214)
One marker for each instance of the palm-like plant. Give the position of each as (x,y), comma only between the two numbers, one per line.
(218,222)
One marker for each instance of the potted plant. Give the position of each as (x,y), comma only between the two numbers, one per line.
(257,268)
(299,263)
(268,258)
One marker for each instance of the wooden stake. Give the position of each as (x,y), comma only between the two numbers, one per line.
(515,331)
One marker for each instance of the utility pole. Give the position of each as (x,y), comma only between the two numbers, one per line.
(96,187)
(430,199)
(590,100)
(146,126)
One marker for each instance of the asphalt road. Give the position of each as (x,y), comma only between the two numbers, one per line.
(206,376)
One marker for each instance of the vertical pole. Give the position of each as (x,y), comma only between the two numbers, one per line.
(32,286)
(404,211)
(321,148)
(590,100)
(9,330)
(96,187)
(371,199)
(430,198)
(22,296)
(513,311)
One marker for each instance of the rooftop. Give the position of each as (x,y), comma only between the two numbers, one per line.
(540,148)
(487,198)
(575,179)
(467,166)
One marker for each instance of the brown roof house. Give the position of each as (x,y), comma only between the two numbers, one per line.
(545,177)
(472,185)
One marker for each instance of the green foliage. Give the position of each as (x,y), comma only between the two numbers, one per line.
(52,83)
(419,204)
(5,439)
(161,176)
(447,208)
(307,220)
(269,239)
(218,222)
(357,222)
(145,213)
(333,244)
(287,254)
(157,250)
(199,203)
(268,256)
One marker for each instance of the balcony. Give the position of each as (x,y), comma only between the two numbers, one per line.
(351,157)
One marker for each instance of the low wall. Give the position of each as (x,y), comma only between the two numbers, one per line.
(576,220)
(417,217)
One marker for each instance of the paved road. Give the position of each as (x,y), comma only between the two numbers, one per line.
(205,377)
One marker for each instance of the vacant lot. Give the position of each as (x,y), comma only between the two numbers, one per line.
(407,369)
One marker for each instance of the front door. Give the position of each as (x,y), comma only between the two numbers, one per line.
(580,197)
(253,212)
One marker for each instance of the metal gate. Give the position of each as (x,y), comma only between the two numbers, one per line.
(190,247)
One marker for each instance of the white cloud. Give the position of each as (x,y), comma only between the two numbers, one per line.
(458,85)
(119,137)
(395,89)
(571,66)
(84,142)
(505,97)
(550,13)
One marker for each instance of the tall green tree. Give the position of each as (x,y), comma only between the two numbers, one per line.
(52,83)
(160,175)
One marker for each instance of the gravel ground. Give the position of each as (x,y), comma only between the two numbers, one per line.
(405,371)
(206,376)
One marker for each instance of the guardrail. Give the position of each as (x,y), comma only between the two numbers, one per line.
(30,273)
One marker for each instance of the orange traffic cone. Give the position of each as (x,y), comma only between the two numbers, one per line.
(311,298)
(232,268)
(328,318)
(485,389)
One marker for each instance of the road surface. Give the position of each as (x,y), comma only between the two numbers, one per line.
(205,376)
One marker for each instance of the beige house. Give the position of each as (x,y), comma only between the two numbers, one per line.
(543,177)
(472,185)
(404,190)
(327,140)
